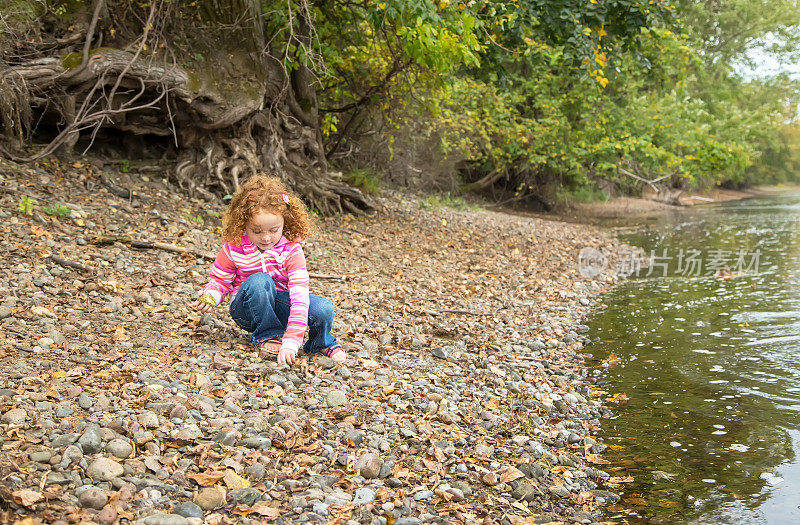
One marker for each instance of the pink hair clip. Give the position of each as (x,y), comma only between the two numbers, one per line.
(285,199)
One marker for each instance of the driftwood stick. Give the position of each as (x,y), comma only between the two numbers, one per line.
(69,264)
(113,188)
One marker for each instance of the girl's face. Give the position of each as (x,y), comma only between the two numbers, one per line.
(264,229)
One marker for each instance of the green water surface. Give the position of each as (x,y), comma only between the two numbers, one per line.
(711,367)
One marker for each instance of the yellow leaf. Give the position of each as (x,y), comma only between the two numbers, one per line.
(59,374)
(235,481)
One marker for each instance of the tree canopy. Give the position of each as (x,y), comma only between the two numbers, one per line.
(534,98)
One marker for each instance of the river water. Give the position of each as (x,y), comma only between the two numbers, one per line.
(707,350)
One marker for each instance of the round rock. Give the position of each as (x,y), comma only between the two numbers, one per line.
(120,448)
(93,499)
(104,469)
(336,398)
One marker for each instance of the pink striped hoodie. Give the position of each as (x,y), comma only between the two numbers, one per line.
(284,262)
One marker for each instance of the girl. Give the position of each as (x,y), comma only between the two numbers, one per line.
(263,268)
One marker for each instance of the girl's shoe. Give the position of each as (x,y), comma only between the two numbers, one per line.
(269,349)
(335,352)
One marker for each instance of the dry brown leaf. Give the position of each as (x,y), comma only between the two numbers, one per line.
(27,497)
(264,509)
(511,474)
(206,479)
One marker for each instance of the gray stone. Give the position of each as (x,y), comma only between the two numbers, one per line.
(255,471)
(164,519)
(439,352)
(93,498)
(15,416)
(64,440)
(321,509)
(90,441)
(423,495)
(41,456)
(85,401)
(363,496)
(246,496)
(525,492)
(355,436)
(64,411)
(556,490)
(104,469)
(5,311)
(408,521)
(226,437)
(120,448)
(336,398)
(255,442)
(188,509)
(463,487)
(58,478)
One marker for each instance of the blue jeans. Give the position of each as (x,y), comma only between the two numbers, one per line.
(262,309)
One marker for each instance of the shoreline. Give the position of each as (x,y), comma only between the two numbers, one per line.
(465,396)
(642,208)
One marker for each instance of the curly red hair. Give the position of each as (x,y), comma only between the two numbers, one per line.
(262,193)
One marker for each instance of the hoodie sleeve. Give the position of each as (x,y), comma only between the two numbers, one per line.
(222,274)
(298,296)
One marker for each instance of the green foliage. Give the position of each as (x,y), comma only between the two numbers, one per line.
(27,204)
(58,209)
(436,202)
(192,219)
(365,180)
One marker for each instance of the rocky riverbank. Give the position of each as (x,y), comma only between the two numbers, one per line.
(464,398)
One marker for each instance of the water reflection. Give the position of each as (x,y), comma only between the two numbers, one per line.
(709,363)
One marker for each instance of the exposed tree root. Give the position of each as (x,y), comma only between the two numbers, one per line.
(217,142)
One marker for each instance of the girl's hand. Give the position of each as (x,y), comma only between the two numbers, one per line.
(286,355)
(205,303)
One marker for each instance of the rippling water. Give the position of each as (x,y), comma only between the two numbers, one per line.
(710,363)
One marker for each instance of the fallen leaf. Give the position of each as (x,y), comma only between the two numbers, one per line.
(206,479)
(27,497)
(234,481)
(511,474)
(264,509)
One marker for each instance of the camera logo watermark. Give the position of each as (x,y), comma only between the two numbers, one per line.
(687,263)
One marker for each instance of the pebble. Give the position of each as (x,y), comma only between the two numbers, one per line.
(201,401)
(164,519)
(93,498)
(439,352)
(369,465)
(363,495)
(85,401)
(15,416)
(63,411)
(90,441)
(336,398)
(210,498)
(188,509)
(104,469)
(107,516)
(120,448)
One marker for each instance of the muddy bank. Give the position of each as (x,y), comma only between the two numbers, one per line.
(464,398)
